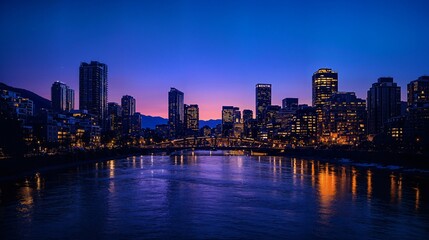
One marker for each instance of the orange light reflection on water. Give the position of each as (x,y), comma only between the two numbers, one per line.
(369,184)
(327,191)
(354,182)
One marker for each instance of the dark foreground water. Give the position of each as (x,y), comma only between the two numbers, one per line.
(217,197)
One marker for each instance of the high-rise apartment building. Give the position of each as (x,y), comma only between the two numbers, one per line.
(303,126)
(176,113)
(263,100)
(114,117)
(345,119)
(93,89)
(128,104)
(62,97)
(383,102)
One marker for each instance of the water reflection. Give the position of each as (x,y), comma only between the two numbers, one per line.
(417,198)
(25,197)
(368,184)
(354,182)
(111,165)
(327,190)
(203,196)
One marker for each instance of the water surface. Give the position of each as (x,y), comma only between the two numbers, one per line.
(216,197)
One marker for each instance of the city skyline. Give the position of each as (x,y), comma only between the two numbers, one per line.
(210,51)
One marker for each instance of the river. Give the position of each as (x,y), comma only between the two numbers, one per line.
(214,196)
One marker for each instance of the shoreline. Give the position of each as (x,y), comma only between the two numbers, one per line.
(385,158)
(11,169)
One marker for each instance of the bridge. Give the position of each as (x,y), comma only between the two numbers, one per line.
(215,143)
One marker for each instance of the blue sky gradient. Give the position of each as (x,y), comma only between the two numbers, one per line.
(213,51)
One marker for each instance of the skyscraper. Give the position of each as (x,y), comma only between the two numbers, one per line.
(324,84)
(192,119)
(263,100)
(114,117)
(176,113)
(93,89)
(418,92)
(247,119)
(62,97)
(383,102)
(128,104)
(227,121)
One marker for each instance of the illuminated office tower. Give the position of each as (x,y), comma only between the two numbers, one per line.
(192,118)
(227,120)
(324,84)
(263,100)
(176,113)
(93,89)
(383,102)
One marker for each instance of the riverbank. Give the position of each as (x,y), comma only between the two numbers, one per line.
(405,159)
(13,168)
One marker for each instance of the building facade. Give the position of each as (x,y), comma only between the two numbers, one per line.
(418,92)
(176,113)
(227,121)
(247,118)
(290,104)
(263,100)
(304,127)
(192,119)
(324,84)
(62,97)
(128,104)
(345,119)
(383,102)
(93,89)
(114,117)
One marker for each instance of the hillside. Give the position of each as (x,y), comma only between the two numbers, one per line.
(38,101)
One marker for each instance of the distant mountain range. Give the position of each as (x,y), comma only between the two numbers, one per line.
(151,122)
(38,101)
(147,121)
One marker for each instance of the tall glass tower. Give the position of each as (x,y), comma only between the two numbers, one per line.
(176,113)
(263,100)
(128,104)
(93,89)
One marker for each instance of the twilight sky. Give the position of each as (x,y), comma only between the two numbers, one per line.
(213,51)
